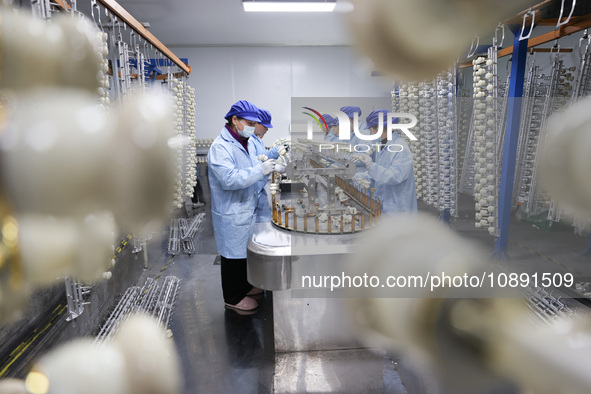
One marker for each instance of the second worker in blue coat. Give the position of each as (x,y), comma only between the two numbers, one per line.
(255,143)
(392,171)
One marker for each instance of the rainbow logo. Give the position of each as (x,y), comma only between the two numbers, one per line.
(315,118)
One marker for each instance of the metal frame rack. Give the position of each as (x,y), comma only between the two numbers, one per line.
(435,162)
(583,88)
(75,293)
(130,55)
(332,204)
(405,99)
(447,130)
(537,198)
(133,53)
(156,299)
(181,234)
(545,306)
(428,118)
(519,50)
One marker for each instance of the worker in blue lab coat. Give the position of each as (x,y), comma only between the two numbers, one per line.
(350,112)
(234,175)
(255,143)
(391,169)
(329,133)
(333,126)
(354,140)
(259,132)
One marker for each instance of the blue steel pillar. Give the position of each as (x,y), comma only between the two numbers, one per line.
(510,142)
(445,216)
(587,250)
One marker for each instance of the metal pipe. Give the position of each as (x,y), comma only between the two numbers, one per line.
(145,250)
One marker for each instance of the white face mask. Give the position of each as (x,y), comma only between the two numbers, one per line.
(247,131)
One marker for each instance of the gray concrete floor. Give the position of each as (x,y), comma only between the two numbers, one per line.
(223,352)
(530,249)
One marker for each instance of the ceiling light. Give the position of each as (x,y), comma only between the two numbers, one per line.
(289,6)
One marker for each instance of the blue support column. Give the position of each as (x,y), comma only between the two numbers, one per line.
(510,142)
(587,250)
(445,216)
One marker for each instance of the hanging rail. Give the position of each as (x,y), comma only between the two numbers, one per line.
(63,4)
(116,9)
(126,17)
(576,25)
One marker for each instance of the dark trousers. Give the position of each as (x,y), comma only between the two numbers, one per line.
(234,283)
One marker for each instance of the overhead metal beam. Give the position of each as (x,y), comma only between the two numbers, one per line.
(580,24)
(130,21)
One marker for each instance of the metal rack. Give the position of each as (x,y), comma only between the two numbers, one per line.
(428,118)
(465,124)
(75,293)
(467,173)
(154,298)
(434,103)
(581,88)
(117,16)
(545,306)
(332,202)
(514,110)
(181,234)
(124,67)
(447,130)
(485,140)
(44,9)
(543,95)
(406,100)
(119,13)
(526,136)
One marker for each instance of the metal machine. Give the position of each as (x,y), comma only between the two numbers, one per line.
(315,224)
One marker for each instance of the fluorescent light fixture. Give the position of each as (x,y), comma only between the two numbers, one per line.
(289,6)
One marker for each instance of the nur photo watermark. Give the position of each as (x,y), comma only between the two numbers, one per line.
(323,120)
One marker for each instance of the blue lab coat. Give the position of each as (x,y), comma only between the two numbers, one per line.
(234,174)
(330,136)
(393,178)
(261,149)
(263,209)
(354,140)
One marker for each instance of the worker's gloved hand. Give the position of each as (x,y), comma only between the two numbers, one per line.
(363,158)
(360,177)
(268,167)
(281,164)
(287,156)
(282,150)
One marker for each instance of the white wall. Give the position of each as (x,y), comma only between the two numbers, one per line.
(270,77)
